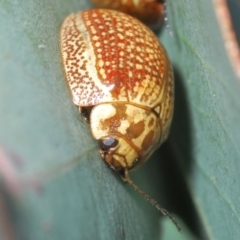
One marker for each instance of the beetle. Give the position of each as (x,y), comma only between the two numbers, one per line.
(121,79)
(150,12)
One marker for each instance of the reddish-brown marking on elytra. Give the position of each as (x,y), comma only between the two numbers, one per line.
(110,56)
(135,129)
(148,140)
(128,55)
(117,81)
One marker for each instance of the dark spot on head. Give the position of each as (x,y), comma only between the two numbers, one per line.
(114,122)
(135,129)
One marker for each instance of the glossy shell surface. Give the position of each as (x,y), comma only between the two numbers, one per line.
(115,65)
(151,12)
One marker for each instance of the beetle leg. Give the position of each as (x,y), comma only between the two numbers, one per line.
(122,175)
(85,113)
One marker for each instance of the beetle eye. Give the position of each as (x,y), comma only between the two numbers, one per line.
(108,143)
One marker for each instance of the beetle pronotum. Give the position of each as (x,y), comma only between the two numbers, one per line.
(121,79)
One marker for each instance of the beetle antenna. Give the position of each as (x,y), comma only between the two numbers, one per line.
(151,200)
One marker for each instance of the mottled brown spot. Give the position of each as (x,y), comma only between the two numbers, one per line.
(151,122)
(148,140)
(135,129)
(114,122)
(125,64)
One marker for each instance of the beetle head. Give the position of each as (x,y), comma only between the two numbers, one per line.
(127,134)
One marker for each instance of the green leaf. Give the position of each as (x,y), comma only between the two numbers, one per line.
(170,231)
(208,148)
(54,184)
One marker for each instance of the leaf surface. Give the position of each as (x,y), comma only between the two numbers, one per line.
(59,188)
